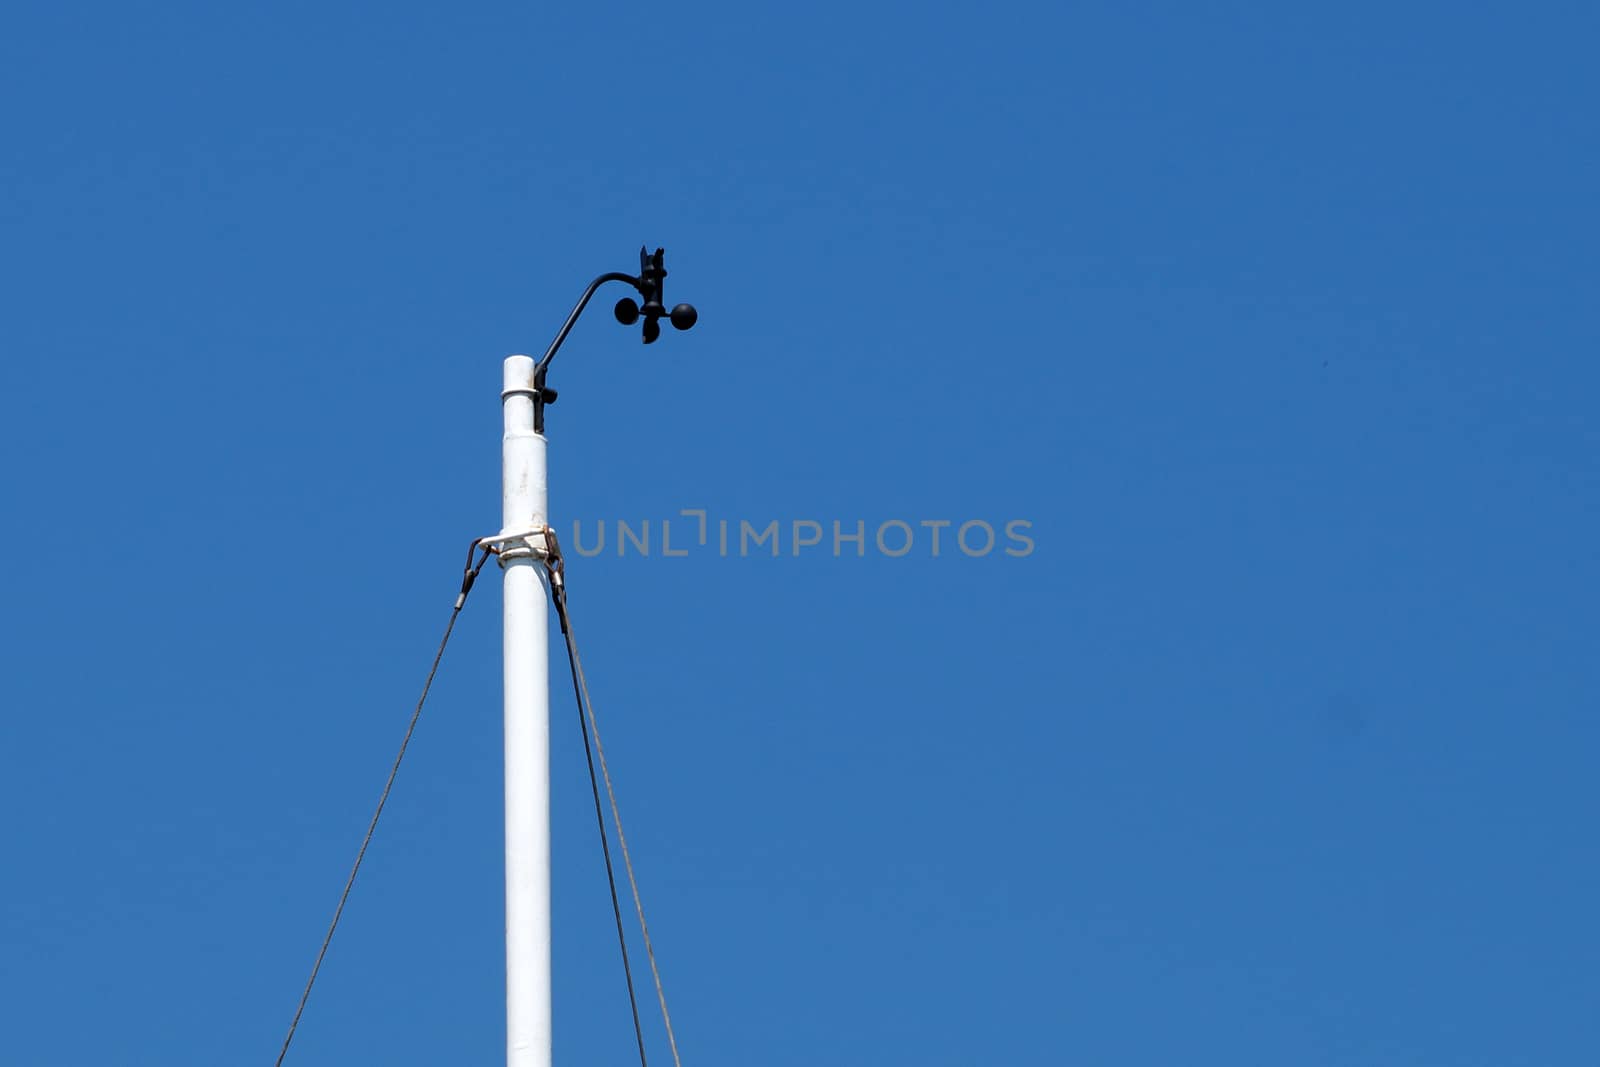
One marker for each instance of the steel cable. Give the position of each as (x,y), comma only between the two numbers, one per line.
(591,726)
(455,613)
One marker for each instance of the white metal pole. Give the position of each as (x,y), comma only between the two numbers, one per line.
(527,695)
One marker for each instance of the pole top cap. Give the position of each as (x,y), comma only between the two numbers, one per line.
(518,376)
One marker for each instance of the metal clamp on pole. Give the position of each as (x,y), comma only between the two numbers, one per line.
(517,544)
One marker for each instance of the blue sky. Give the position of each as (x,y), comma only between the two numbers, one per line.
(1277,326)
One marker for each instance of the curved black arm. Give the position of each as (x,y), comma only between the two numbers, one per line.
(648,285)
(583,302)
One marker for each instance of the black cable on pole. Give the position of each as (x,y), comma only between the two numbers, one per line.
(558,596)
(469,577)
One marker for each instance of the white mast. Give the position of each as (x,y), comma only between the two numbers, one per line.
(523,548)
(524,515)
